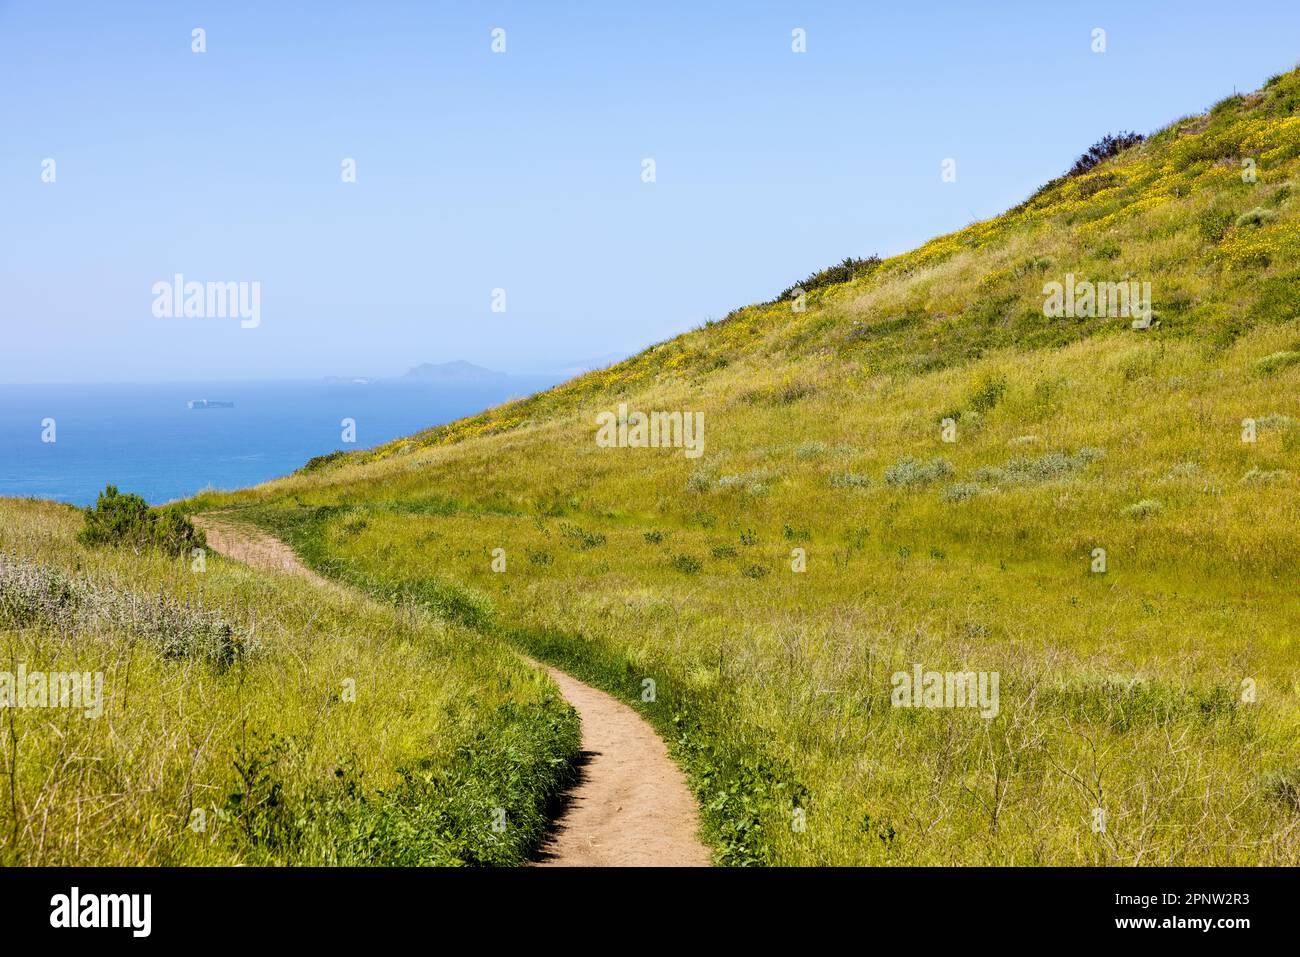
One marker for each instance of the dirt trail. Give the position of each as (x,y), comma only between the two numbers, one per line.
(254,547)
(630,807)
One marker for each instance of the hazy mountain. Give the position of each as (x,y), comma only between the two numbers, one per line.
(456,371)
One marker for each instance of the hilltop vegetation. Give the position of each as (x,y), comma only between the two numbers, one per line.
(1111,530)
(1220,251)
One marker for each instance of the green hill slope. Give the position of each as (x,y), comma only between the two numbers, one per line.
(919,467)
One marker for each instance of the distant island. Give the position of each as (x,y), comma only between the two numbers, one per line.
(210,404)
(457,370)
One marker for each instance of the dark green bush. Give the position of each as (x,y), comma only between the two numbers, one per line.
(832,275)
(687,564)
(580,538)
(1106,147)
(127,520)
(320,461)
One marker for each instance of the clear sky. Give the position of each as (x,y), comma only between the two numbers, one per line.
(523,170)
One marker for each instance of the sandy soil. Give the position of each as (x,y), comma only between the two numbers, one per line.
(631,806)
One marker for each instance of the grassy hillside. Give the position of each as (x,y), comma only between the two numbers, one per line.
(906,464)
(1220,252)
(251,718)
(1148,711)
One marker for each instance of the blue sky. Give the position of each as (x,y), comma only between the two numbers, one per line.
(522,170)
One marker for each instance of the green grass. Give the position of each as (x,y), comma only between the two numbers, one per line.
(784,677)
(1093,527)
(1161,690)
(249,718)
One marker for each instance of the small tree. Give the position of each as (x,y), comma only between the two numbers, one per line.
(128,520)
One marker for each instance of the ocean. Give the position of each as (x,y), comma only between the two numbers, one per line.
(145,439)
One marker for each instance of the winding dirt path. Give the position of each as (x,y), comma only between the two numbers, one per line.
(630,807)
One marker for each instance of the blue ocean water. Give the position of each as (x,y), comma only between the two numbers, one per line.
(144,438)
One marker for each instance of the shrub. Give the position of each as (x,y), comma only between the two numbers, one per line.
(698,482)
(118,519)
(1275,420)
(752,482)
(32,594)
(1283,784)
(849,269)
(1256,217)
(1183,470)
(961,491)
(723,551)
(1258,476)
(1143,509)
(1281,194)
(1106,147)
(908,472)
(653,537)
(580,537)
(1213,223)
(1047,392)
(1023,470)
(810,450)
(320,461)
(1278,360)
(850,480)
(988,392)
(686,564)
